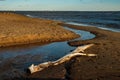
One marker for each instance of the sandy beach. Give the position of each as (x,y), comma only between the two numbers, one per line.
(16,29)
(105,66)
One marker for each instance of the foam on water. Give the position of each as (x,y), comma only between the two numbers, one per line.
(105,28)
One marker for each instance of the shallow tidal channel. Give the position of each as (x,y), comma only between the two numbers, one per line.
(34,54)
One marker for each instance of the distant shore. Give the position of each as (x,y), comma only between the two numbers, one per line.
(16,29)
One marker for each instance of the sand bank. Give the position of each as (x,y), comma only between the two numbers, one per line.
(16,29)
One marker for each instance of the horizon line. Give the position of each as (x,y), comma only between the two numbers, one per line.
(69,10)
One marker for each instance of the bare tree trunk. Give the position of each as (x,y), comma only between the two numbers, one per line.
(77,52)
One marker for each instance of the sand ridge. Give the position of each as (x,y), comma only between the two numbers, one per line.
(18,29)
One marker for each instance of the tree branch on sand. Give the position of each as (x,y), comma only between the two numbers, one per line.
(79,51)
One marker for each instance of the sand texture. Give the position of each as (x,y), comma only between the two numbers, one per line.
(17,29)
(105,66)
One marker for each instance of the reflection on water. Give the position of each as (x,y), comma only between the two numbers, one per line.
(48,52)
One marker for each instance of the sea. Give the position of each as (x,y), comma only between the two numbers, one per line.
(109,20)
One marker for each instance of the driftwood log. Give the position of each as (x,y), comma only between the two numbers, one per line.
(77,52)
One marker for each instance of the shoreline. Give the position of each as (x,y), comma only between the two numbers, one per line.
(103,67)
(101,34)
(16,29)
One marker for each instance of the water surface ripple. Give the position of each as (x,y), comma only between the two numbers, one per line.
(49,52)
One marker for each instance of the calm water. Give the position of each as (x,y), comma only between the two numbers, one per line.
(47,52)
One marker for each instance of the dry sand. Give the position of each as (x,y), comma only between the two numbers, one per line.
(18,29)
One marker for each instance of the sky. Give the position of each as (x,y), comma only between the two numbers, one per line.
(61,5)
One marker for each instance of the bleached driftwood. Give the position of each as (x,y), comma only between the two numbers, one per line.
(77,52)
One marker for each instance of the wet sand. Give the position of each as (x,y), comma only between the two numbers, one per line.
(106,66)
